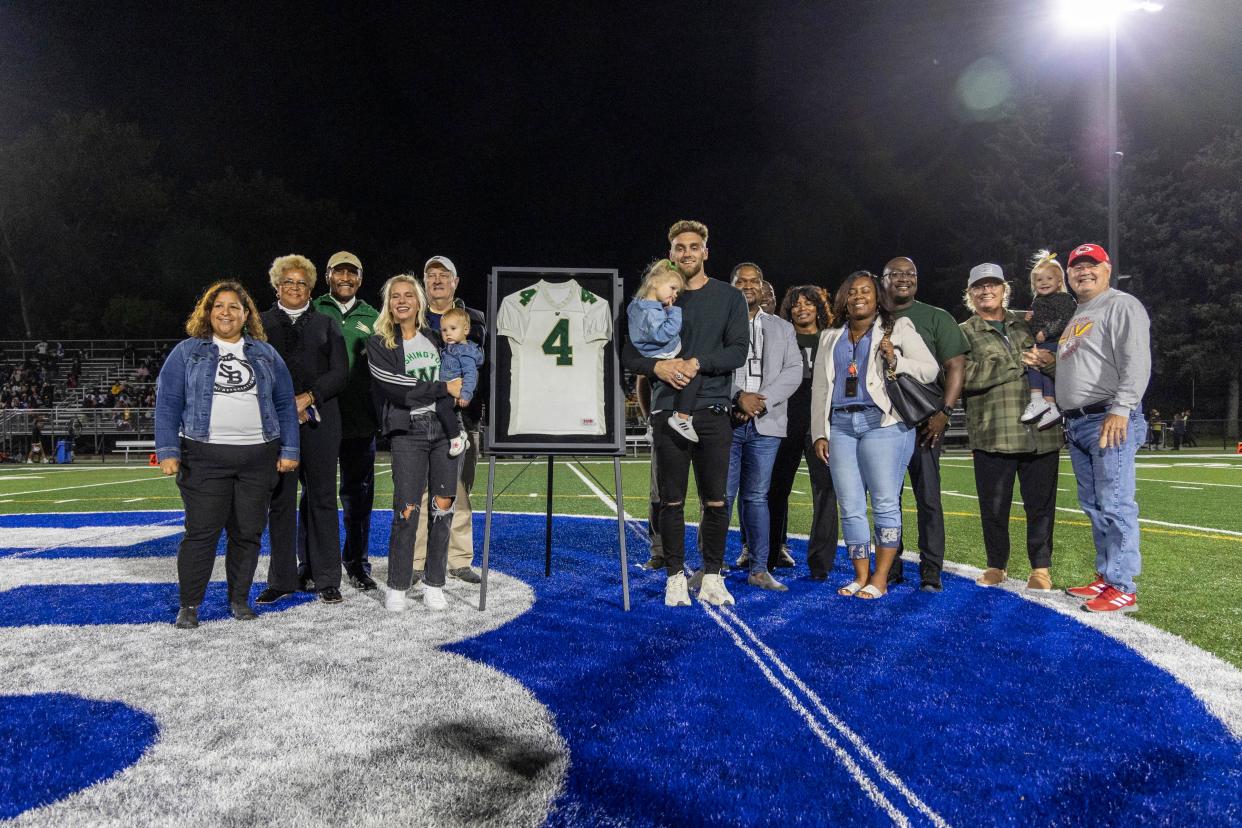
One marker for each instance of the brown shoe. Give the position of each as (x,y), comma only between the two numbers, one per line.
(991,577)
(1040,580)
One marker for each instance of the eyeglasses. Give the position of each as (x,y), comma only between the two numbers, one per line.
(343,271)
(979,288)
(1087,265)
(901,274)
(293,283)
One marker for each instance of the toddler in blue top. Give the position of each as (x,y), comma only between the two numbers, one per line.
(655,330)
(458,358)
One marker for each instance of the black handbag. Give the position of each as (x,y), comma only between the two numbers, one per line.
(913,401)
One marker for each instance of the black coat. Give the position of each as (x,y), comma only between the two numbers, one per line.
(314,351)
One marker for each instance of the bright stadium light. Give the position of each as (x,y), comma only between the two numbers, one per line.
(1088,16)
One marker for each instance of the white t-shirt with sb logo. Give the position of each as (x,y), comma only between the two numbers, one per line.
(235,418)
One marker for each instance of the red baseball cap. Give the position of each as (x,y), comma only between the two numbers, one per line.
(1087,251)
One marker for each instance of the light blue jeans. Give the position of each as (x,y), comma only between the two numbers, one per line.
(865,457)
(1106,493)
(751,458)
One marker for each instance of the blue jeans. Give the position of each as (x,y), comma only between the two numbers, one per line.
(750,470)
(1106,493)
(864,456)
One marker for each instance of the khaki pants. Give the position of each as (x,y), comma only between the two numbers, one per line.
(461,536)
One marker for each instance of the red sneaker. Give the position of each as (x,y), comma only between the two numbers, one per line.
(1113,600)
(1091,590)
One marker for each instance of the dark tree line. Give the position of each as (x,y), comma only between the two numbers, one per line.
(95,242)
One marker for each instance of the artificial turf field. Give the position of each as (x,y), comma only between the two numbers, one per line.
(1190,506)
(970,707)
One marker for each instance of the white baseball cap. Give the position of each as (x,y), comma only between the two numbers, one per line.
(444,262)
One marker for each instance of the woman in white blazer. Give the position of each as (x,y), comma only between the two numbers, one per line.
(852,414)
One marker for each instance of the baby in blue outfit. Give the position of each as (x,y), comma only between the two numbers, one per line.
(655,330)
(458,358)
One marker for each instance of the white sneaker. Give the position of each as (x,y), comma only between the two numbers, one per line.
(713,591)
(433,597)
(458,444)
(394,601)
(684,427)
(675,594)
(1051,417)
(1034,410)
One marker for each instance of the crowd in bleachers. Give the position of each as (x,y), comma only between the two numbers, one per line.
(25,384)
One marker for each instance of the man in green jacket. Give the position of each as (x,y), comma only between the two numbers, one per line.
(358,423)
(996,393)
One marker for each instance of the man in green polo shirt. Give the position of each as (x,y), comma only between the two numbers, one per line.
(358,422)
(946,342)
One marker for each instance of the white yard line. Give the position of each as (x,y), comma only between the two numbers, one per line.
(1152,521)
(596,490)
(864,781)
(841,727)
(92,485)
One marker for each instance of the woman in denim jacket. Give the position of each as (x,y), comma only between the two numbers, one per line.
(225,424)
(404,360)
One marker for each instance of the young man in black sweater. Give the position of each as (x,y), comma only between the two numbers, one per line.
(714,338)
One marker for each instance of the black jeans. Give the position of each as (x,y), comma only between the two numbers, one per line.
(925,482)
(1037,476)
(317,473)
(653,516)
(420,463)
(822,546)
(710,458)
(223,487)
(357,463)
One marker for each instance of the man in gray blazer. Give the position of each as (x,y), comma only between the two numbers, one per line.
(761,390)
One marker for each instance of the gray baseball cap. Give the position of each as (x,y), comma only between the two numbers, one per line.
(985,271)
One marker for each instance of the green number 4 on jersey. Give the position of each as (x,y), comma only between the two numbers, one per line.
(557,343)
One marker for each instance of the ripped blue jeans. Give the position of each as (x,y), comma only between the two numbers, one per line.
(420,463)
(863,457)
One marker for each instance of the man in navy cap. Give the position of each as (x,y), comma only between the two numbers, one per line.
(1103,365)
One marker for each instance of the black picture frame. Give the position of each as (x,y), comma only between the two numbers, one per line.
(603,282)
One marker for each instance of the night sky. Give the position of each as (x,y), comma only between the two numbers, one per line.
(511,134)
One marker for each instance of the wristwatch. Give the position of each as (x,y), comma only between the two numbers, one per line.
(948,411)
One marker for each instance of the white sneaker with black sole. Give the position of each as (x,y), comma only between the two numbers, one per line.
(458,444)
(684,427)
(1051,417)
(1034,410)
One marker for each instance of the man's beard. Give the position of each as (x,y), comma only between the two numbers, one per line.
(698,268)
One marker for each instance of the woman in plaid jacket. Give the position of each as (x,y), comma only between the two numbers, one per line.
(995,394)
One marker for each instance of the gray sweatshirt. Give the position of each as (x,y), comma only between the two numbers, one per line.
(1105,354)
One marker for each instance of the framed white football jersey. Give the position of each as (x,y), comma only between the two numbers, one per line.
(557,333)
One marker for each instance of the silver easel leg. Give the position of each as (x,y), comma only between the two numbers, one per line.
(487,528)
(620,501)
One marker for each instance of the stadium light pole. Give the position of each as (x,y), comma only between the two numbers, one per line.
(1092,15)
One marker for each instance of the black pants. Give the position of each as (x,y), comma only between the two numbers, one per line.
(925,481)
(653,516)
(710,459)
(822,546)
(1037,476)
(357,462)
(317,473)
(223,488)
(420,463)
(449,416)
